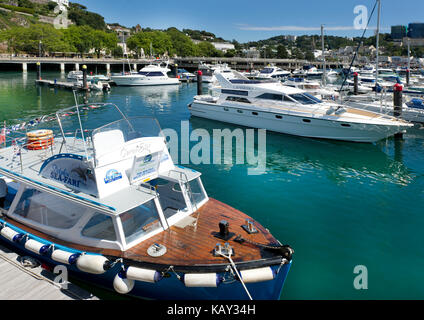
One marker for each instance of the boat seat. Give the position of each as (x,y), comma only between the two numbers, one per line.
(107,146)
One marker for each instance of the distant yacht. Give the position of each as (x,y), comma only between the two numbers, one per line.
(152,75)
(279,108)
(208,71)
(272,72)
(78,75)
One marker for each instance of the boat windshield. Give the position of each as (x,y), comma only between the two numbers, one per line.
(140,221)
(305,98)
(151,73)
(267,71)
(129,129)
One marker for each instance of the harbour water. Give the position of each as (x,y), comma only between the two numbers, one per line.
(339,205)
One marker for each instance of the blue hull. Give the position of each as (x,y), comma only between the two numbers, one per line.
(169,288)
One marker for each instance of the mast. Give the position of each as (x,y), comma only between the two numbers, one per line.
(378,45)
(324,76)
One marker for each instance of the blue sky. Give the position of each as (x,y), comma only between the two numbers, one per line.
(248,20)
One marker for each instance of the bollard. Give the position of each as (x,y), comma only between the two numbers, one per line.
(199,83)
(355,83)
(397,104)
(84,77)
(38,70)
(408,77)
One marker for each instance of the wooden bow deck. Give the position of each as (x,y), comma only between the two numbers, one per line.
(189,246)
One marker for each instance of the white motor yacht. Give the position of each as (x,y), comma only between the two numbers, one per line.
(151,75)
(279,108)
(272,72)
(312,87)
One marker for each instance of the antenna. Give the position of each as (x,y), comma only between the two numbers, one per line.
(79,119)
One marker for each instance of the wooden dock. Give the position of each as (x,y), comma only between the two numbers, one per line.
(18,282)
(61,85)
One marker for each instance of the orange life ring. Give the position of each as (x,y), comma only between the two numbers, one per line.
(39,139)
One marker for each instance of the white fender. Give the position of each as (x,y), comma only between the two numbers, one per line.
(143,275)
(92,264)
(63,256)
(257,275)
(123,285)
(208,280)
(34,246)
(9,233)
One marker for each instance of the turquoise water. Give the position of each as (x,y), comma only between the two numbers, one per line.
(337,204)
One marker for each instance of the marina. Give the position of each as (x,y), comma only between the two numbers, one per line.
(384,169)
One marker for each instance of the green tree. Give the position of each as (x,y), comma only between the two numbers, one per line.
(160,41)
(102,40)
(282,52)
(183,45)
(206,49)
(80,38)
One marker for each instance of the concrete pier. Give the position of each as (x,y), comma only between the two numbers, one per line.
(24,67)
(19,282)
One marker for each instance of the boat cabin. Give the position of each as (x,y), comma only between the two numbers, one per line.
(112,190)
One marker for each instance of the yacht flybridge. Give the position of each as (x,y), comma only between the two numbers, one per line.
(283,109)
(111,206)
(151,75)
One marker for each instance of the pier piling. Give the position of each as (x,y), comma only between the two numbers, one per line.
(84,77)
(199,83)
(355,83)
(397,104)
(408,77)
(38,71)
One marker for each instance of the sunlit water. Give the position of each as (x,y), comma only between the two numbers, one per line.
(337,204)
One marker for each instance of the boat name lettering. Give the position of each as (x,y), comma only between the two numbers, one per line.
(62,175)
(140,148)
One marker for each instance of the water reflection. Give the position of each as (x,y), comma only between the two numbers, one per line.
(336,161)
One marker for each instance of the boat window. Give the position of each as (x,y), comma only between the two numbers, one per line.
(171,197)
(305,98)
(198,195)
(151,73)
(311,86)
(271,96)
(100,226)
(238,99)
(267,71)
(48,210)
(235,92)
(140,221)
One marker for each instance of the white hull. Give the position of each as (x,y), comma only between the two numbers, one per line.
(143,81)
(295,125)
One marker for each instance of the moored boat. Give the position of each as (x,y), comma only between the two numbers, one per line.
(111,206)
(283,109)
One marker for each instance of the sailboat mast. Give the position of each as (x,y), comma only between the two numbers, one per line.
(378,45)
(324,76)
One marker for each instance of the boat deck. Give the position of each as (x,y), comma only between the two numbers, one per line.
(190,247)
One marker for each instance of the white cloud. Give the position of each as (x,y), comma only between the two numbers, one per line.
(299,28)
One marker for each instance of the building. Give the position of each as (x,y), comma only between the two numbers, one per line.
(398,33)
(416,30)
(123,35)
(223,46)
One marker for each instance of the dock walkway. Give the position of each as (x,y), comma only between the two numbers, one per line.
(20,283)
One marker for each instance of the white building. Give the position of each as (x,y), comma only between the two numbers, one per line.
(223,46)
(64,3)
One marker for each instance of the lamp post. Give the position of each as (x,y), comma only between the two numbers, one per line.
(39,48)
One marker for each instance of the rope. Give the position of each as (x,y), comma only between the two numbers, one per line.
(238,274)
(359,46)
